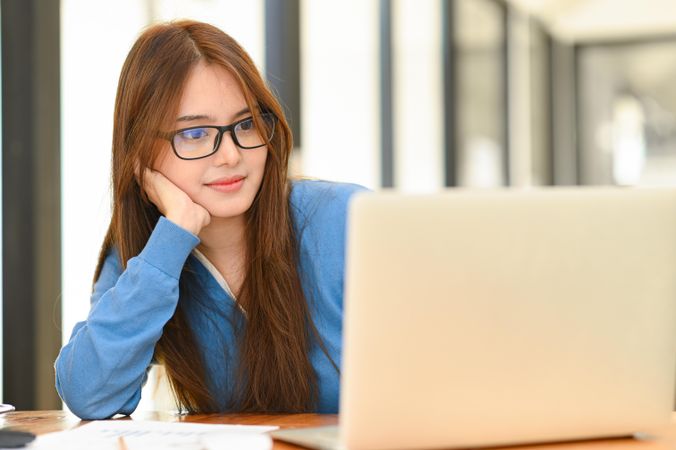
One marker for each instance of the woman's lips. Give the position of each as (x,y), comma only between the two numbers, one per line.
(227,185)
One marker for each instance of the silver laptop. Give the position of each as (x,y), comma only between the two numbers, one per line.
(506,317)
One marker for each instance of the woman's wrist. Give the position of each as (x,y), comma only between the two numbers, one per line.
(188,223)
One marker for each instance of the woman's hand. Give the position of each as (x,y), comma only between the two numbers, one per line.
(174,203)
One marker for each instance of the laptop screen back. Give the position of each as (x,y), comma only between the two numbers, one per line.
(489,318)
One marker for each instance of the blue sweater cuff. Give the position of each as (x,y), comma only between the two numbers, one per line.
(168,247)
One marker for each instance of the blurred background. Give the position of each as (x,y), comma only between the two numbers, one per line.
(412,94)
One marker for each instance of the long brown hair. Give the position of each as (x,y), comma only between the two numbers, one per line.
(273,372)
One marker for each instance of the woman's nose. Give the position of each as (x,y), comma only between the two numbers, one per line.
(228,153)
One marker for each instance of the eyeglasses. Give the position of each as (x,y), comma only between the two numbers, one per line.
(203,140)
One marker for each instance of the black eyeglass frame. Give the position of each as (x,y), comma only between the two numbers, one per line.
(265,116)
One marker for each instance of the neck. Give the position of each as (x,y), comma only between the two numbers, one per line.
(223,237)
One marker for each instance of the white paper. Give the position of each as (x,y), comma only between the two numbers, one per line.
(249,441)
(151,435)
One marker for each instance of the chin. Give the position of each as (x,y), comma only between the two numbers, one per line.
(228,211)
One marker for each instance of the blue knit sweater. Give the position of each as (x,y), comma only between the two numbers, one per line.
(101,371)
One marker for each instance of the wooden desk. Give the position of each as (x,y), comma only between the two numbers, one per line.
(39,422)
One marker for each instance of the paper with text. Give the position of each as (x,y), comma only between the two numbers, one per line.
(151,435)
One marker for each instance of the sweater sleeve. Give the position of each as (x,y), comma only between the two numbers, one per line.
(101,370)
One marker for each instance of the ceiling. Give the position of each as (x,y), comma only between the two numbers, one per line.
(594,20)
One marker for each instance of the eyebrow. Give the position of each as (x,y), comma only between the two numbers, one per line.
(193,117)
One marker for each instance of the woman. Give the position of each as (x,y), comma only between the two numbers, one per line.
(214,263)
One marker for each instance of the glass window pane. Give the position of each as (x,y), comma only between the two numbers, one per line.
(480,93)
(339,91)
(628,113)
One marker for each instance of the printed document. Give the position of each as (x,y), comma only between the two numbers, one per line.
(151,435)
